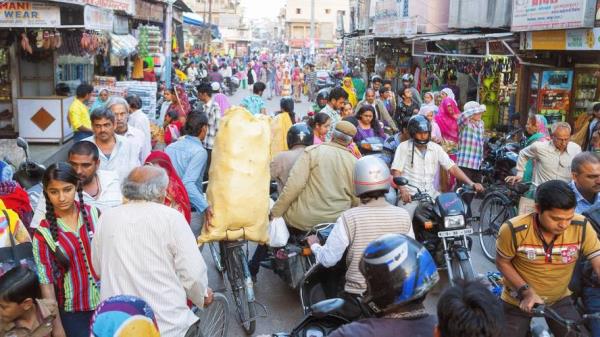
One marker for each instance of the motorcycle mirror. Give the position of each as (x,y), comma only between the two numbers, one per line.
(22,143)
(400,181)
(326,307)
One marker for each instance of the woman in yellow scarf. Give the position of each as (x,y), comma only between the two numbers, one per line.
(280,125)
(349,88)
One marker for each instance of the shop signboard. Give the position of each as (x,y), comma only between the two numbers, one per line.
(121,25)
(554,94)
(98,18)
(127,6)
(149,11)
(29,14)
(573,39)
(532,15)
(392,19)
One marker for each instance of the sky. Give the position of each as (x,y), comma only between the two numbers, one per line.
(255,9)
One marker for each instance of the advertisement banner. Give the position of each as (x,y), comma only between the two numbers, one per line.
(98,18)
(531,15)
(574,39)
(554,94)
(127,6)
(29,14)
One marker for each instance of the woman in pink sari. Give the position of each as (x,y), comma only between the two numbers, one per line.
(278,79)
(446,119)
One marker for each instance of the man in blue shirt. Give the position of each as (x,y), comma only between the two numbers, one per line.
(254,103)
(189,157)
(585,169)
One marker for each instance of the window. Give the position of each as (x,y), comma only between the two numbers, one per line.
(343,13)
(298,11)
(327,11)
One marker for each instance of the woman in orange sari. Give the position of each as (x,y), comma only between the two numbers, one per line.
(177,196)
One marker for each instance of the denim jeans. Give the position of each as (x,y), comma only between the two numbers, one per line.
(591,301)
(76,324)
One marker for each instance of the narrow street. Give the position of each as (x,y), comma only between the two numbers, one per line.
(282,303)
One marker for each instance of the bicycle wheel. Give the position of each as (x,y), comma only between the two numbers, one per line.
(238,275)
(495,209)
(214,319)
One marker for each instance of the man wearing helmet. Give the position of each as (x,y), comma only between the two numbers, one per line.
(399,273)
(358,226)
(376,83)
(319,186)
(407,82)
(321,100)
(418,160)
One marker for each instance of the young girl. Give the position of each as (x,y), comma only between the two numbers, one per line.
(173,127)
(320,123)
(61,249)
(280,124)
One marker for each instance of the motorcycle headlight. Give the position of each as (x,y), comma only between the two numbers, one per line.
(454,221)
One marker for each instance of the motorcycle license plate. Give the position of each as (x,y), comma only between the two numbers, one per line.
(458,232)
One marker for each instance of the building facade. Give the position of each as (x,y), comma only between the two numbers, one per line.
(330,16)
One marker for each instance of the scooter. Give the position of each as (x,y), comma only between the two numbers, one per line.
(321,319)
(441,226)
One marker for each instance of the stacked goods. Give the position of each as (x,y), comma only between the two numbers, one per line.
(238,189)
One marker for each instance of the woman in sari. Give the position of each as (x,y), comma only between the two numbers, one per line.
(101,100)
(535,130)
(177,196)
(297,80)
(349,89)
(447,120)
(278,80)
(286,84)
(280,125)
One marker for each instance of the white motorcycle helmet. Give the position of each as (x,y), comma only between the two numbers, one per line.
(371,174)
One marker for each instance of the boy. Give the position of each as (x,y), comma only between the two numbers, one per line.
(22,311)
(471,140)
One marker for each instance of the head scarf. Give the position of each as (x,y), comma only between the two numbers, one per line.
(184,103)
(447,122)
(350,91)
(432,98)
(99,103)
(449,92)
(542,125)
(124,316)
(426,109)
(223,102)
(177,196)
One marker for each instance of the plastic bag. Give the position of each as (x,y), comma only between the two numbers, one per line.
(278,233)
(238,188)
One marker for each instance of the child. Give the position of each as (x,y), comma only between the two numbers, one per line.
(471,140)
(173,127)
(22,311)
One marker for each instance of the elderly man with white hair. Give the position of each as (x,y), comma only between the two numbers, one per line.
(552,159)
(120,108)
(146,249)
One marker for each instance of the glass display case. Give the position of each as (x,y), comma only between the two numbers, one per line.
(586,90)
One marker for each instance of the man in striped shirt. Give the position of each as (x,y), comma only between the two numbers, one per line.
(357,227)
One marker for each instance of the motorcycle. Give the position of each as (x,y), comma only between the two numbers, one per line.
(29,174)
(230,85)
(323,80)
(321,319)
(500,157)
(370,146)
(293,261)
(441,226)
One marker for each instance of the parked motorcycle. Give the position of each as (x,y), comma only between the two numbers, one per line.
(500,157)
(294,260)
(320,320)
(324,79)
(441,226)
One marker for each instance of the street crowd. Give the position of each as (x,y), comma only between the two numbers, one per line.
(113,235)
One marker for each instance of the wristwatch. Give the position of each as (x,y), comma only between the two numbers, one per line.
(521,290)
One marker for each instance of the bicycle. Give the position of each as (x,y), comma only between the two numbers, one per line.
(235,266)
(214,318)
(497,206)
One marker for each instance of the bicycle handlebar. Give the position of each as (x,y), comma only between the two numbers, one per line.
(541,310)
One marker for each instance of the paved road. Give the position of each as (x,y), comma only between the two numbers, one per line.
(283,304)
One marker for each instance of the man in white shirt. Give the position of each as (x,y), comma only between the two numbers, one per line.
(120,109)
(146,249)
(117,153)
(138,118)
(418,160)
(551,159)
(101,189)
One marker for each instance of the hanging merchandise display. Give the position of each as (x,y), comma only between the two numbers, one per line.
(497,90)
(6,109)
(554,93)
(149,38)
(586,88)
(122,45)
(72,70)
(392,60)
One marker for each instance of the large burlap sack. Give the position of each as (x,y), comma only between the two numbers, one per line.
(238,188)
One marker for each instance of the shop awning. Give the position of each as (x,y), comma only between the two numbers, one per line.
(193,19)
(461,37)
(123,45)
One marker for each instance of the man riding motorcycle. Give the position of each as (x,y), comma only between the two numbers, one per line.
(319,187)
(418,160)
(399,273)
(321,101)
(358,226)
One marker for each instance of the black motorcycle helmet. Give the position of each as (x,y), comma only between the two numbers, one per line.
(398,270)
(323,94)
(419,123)
(300,134)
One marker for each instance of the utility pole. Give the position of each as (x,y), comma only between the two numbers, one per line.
(312,28)
(209,32)
(168,43)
